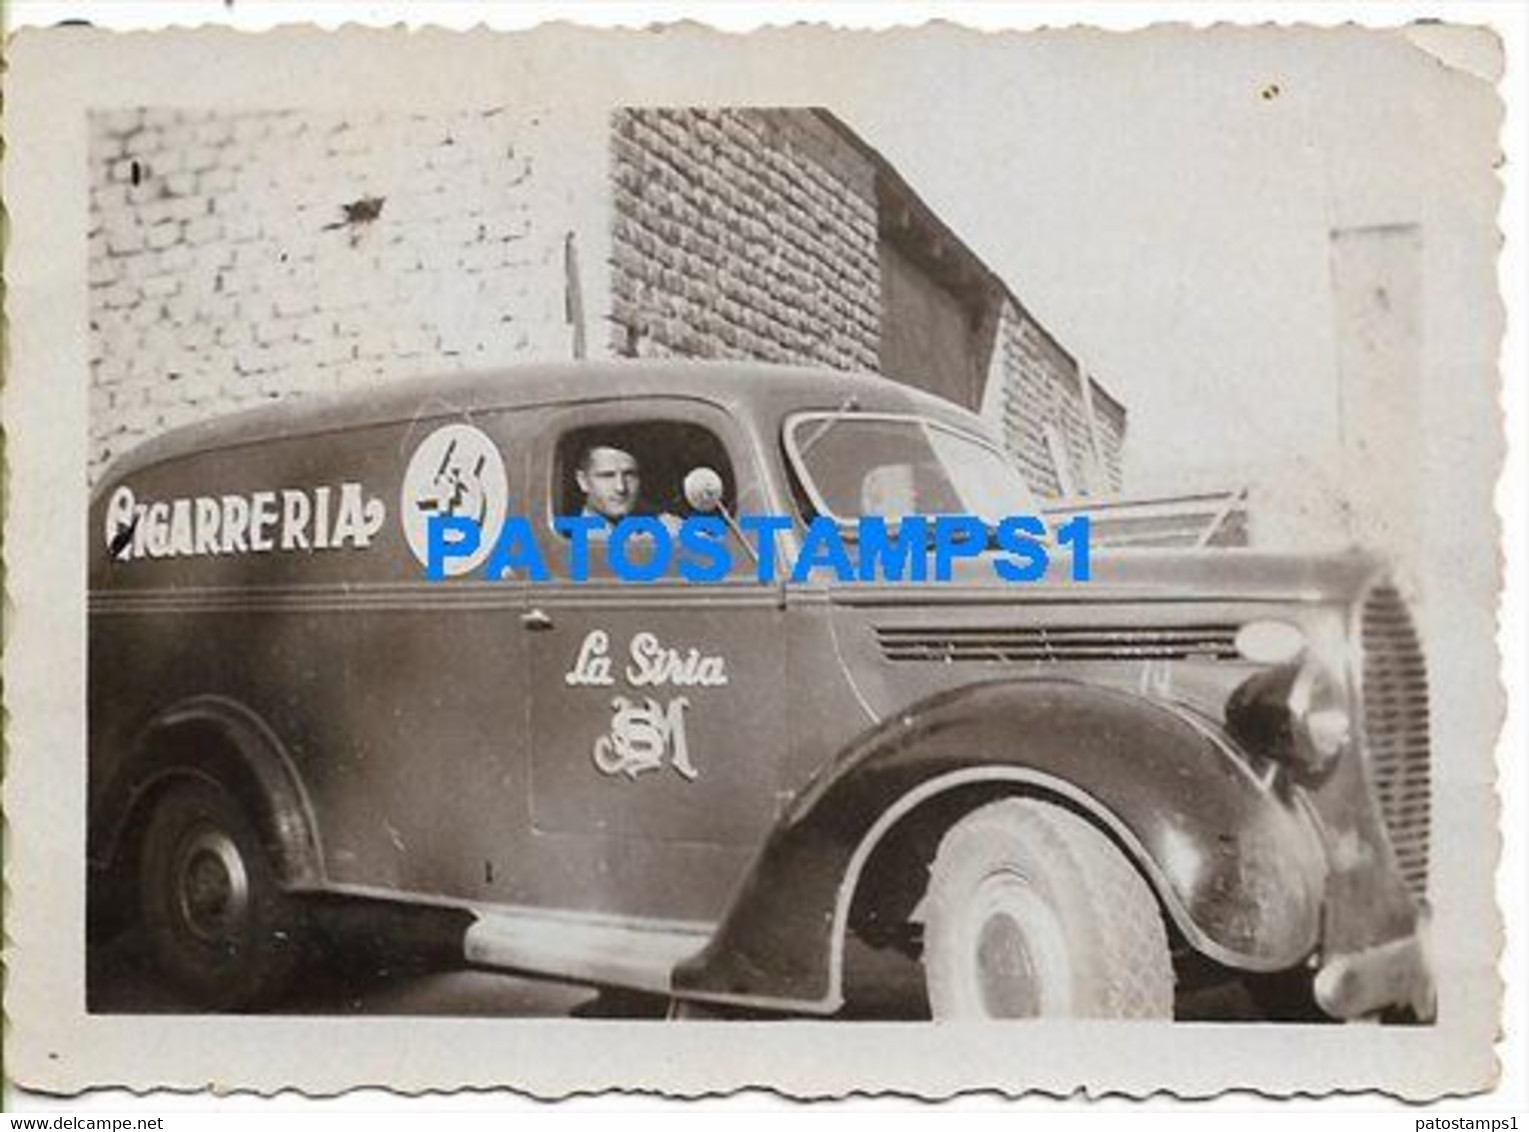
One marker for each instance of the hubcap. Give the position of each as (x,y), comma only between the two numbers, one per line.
(1019,951)
(211,886)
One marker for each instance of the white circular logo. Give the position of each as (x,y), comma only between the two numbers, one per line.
(455,471)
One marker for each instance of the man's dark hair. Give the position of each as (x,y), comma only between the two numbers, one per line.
(589,444)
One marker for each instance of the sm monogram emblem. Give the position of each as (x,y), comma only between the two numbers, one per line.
(644,733)
(642,736)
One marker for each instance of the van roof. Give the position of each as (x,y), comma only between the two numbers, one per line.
(753,389)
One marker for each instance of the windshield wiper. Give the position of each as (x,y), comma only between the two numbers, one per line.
(847,406)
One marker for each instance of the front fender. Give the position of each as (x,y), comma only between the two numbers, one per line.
(1235,861)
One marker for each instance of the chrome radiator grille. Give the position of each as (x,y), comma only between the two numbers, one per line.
(1395,697)
(1055,643)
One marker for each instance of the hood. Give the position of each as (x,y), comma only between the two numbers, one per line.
(1138,575)
(1160,619)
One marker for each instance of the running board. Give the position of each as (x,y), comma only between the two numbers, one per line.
(584,951)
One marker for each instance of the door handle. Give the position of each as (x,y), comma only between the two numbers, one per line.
(536,620)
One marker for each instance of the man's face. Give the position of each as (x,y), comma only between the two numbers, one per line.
(610,483)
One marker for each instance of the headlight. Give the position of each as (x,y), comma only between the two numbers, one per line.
(1320,711)
(1296,714)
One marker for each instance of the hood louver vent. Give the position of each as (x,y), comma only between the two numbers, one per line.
(1037,644)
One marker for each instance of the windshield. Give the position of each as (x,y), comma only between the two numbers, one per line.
(896,466)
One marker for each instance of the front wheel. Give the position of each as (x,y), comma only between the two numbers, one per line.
(1033,912)
(218,925)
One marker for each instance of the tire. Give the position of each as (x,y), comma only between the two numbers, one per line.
(217,924)
(1033,912)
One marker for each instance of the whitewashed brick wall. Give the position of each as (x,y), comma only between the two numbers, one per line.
(242,258)
(225,270)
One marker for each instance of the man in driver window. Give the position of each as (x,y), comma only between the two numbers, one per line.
(611,482)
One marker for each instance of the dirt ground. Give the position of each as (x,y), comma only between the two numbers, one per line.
(404,967)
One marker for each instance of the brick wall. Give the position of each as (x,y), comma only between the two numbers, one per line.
(1033,383)
(742,234)
(237,258)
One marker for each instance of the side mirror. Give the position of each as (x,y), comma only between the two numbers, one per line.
(703,490)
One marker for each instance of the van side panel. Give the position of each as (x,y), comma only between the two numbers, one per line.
(400,703)
(278,576)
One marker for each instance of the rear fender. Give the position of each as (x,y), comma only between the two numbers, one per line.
(1235,861)
(218,739)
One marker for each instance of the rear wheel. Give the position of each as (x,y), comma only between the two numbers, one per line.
(1033,912)
(216,921)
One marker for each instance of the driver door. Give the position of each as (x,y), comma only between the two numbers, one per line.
(656,708)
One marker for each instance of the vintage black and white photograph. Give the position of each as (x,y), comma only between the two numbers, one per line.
(991,531)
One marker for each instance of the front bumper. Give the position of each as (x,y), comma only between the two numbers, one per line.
(1388,976)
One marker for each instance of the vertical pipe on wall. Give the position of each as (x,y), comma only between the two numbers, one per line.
(573,296)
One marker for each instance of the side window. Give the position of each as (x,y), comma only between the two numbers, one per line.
(635,468)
